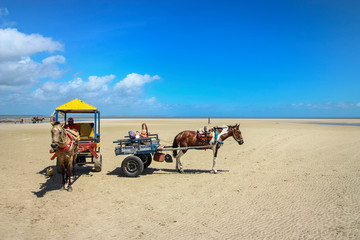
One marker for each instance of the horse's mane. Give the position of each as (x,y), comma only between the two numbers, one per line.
(56,123)
(221,127)
(224,126)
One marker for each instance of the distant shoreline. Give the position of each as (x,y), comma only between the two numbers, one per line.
(334,121)
(89,116)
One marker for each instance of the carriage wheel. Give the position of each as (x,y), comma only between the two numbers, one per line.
(132,166)
(145,158)
(98,163)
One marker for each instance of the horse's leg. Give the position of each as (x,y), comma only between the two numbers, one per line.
(63,177)
(179,166)
(69,175)
(215,151)
(73,165)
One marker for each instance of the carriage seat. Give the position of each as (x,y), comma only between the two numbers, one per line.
(86,130)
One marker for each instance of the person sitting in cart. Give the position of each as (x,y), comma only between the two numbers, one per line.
(71,125)
(144,131)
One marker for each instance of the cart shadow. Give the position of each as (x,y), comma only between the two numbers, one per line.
(118,172)
(54,182)
(149,171)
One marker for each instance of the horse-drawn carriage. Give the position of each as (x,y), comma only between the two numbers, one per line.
(88,151)
(142,150)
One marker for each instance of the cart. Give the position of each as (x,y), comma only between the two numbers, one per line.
(142,151)
(89,144)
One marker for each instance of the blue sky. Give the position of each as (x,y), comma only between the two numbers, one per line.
(182,58)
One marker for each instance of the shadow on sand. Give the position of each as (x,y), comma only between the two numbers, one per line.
(149,171)
(54,182)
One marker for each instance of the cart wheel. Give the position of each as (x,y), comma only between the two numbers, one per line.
(58,169)
(98,163)
(145,158)
(132,166)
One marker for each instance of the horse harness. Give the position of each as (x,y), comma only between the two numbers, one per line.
(68,146)
(219,143)
(234,135)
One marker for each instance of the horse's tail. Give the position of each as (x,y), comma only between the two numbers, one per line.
(174,146)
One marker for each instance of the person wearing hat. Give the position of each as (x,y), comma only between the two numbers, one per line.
(71,124)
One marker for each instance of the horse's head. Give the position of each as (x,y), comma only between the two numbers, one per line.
(236,133)
(58,135)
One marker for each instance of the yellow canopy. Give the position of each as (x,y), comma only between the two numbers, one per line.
(76,106)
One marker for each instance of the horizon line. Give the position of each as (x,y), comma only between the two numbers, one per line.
(157,116)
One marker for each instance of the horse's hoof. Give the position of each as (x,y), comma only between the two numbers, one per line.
(214,171)
(62,188)
(70,189)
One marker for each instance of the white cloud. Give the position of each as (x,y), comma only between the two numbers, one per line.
(133,83)
(94,87)
(102,89)
(14,44)
(24,80)
(297,105)
(26,72)
(18,70)
(3,22)
(54,59)
(99,84)
(326,105)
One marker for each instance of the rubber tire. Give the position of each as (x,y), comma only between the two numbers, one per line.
(132,166)
(98,163)
(145,158)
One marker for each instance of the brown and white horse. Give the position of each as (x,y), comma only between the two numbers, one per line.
(190,139)
(65,146)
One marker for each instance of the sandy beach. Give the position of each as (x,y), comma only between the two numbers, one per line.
(289,180)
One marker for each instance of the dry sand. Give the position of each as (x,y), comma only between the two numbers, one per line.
(288,181)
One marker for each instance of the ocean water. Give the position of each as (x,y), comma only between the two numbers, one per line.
(17,118)
(338,124)
(28,118)
(90,117)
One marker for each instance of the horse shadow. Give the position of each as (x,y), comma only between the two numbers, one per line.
(191,171)
(149,171)
(54,182)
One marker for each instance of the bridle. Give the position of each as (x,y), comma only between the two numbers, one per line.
(66,138)
(67,135)
(234,135)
